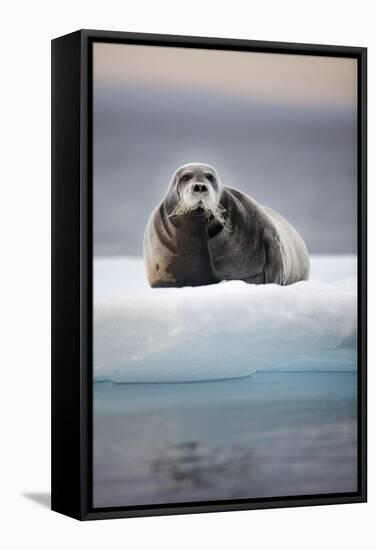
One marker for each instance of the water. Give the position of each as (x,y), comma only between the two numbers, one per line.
(271,434)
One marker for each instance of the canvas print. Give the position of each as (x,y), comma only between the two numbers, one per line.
(224,275)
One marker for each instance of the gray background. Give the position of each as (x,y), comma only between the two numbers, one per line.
(289,143)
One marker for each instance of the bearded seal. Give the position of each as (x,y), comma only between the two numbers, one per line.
(204,232)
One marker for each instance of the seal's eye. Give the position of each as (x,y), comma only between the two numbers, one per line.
(210,177)
(186,177)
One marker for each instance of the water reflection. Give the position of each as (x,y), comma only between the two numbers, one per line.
(274,434)
(192,464)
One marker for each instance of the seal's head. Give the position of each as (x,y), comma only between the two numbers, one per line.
(195,192)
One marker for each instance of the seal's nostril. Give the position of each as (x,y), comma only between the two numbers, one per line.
(200,188)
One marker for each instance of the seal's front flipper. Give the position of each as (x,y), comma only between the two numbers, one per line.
(255,279)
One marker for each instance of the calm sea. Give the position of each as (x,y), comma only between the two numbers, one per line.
(271,434)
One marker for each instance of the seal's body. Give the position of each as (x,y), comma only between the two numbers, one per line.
(204,232)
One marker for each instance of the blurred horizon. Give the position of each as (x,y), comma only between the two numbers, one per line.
(281,128)
(288,77)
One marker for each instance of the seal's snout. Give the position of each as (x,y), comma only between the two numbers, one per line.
(195,193)
(200,189)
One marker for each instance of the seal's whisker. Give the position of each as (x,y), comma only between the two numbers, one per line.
(179,210)
(217,211)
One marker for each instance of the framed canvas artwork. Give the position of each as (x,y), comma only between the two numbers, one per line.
(208,274)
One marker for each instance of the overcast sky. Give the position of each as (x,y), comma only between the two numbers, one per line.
(282,128)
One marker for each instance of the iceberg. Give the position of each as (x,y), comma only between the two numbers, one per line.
(228,330)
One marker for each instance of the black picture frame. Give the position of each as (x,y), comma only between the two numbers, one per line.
(72,279)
